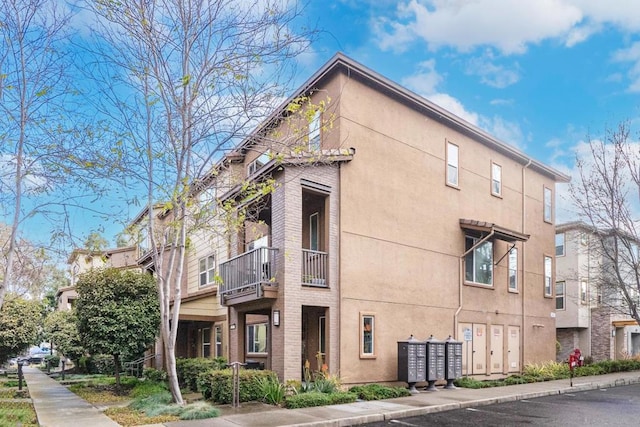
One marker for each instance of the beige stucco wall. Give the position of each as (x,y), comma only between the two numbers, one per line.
(400,261)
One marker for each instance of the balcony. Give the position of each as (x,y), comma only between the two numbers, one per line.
(314,268)
(249,277)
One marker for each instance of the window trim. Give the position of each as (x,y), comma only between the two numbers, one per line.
(547,205)
(209,272)
(564,244)
(562,295)
(315,131)
(218,344)
(361,336)
(472,254)
(515,270)
(547,284)
(455,184)
(494,180)
(204,344)
(249,348)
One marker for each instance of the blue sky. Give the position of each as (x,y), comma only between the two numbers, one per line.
(539,75)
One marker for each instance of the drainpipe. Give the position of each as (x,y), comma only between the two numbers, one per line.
(523,334)
(461,282)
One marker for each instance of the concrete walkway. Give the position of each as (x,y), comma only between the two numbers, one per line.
(56,406)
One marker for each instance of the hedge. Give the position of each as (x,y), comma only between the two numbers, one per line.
(315,398)
(189,369)
(217,385)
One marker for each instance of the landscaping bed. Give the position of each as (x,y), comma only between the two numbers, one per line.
(15,406)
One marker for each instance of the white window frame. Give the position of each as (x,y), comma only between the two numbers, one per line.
(496,179)
(513,270)
(314,131)
(218,340)
(561,296)
(255,165)
(367,335)
(584,291)
(206,344)
(563,245)
(314,217)
(207,270)
(471,257)
(452,172)
(547,197)
(548,276)
(254,346)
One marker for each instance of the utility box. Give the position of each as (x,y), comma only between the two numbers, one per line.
(412,362)
(453,360)
(435,362)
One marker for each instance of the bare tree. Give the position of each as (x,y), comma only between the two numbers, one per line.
(606,195)
(193,78)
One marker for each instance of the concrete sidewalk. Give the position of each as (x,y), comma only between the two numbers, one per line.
(57,406)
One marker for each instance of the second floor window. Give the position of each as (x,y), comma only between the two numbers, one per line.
(207,268)
(314,232)
(560,290)
(560,244)
(513,269)
(584,292)
(257,338)
(547,276)
(548,205)
(479,262)
(452,164)
(314,132)
(496,179)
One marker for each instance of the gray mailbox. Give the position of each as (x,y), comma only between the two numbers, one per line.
(453,361)
(412,362)
(435,362)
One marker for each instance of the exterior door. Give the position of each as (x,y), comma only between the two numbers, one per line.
(497,348)
(474,347)
(513,348)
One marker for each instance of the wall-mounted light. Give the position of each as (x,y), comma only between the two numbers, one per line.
(232,326)
(276,317)
(613,333)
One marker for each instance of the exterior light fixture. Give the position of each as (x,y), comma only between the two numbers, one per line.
(276,317)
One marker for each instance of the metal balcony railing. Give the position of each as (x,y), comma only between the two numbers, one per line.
(314,268)
(248,270)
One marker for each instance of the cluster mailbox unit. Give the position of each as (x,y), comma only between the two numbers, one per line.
(429,361)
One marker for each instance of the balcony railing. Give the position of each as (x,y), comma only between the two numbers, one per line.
(314,268)
(248,272)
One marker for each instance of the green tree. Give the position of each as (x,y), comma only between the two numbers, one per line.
(20,320)
(117,312)
(61,329)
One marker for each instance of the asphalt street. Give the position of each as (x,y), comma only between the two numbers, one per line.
(617,406)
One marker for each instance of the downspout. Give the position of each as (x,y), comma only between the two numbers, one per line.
(523,335)
(461,281)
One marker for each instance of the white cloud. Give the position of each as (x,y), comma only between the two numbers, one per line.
(425,82)
(491,74)
(500,101)
(509,26)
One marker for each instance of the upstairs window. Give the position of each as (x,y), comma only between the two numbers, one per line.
(547,276)
(258,163)
(314,132)
(513,269)
(452,164)
(496,179)
(560,244)
(479,262)
(207,270)
(314,232)
(560,291)
(548,205)
(584,291)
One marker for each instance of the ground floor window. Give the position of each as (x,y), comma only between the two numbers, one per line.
(218,341)
(367,335)
(257,338)
(206,342)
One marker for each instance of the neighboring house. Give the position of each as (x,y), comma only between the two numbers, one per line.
(83,260)
(586,315)
(397,218)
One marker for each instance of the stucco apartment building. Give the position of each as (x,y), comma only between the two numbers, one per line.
(586,317)
(397,218)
